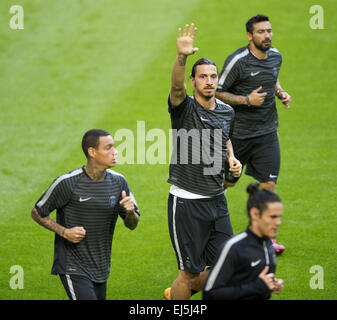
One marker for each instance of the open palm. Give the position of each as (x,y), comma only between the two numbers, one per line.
(185,42)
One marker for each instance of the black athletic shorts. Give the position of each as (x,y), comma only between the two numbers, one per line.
(260,154)
(198,229)
(80,287)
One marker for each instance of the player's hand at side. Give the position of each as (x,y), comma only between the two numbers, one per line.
(256,97)
(75,234)
(278,285)
(285,99)
(185,41)
(235,167)
(127,203)
(268,278)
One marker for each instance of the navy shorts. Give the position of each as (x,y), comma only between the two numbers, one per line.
(80,287)
(198,229)
(261,155)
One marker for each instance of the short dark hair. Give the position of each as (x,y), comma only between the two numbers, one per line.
(258,18)
(259,198)
(201,62)
(91,139)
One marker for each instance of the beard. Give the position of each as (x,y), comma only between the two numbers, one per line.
(207,96)
(261,46)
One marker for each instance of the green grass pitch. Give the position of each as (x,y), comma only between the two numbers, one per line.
(77,65)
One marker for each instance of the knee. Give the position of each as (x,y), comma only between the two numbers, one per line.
(187,276)
(269,185)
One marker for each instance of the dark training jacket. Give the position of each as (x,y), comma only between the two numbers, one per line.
(235,276)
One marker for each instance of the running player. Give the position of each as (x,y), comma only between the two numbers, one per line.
(88,202)
(249,82)
(245,268)
(198,217)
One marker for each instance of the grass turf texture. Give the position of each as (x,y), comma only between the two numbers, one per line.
(84,64)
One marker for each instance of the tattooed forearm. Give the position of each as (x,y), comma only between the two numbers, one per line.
(48,223)
(181,60)
(230,98)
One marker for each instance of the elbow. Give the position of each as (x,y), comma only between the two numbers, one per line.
(33,214)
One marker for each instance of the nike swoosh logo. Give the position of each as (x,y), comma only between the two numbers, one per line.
(254,73)
(203,119)
(255,263)
(271,176)
(84,199)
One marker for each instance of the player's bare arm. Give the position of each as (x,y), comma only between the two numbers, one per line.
(132,218)
(185,42)
(74,235)
(235,165)
(254,98)
(282,95)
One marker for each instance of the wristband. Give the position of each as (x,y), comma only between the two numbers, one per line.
(248,100)
(278,91)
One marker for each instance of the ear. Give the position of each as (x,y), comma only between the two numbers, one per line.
(91,152)
(249,36)
(192,80)
(254,213)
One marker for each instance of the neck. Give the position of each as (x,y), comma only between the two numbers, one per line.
(95,172)
(255,230)
(257,52)
(206,102)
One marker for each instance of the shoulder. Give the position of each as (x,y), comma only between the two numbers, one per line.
(186,105)
(235,242)
(62,185)
(274,53)
(69,177)
(238,55)
(115,176)
(238,239)
(224,107)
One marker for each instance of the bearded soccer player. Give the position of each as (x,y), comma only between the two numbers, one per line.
(249,82)
(88,201)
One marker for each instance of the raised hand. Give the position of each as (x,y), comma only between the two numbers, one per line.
(186,40)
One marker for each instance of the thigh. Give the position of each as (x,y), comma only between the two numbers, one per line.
(190,224)
(264,165)
(221,232)
(78,287)
(100,290)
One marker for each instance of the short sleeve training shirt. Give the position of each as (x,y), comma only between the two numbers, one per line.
(199,146)
(241,74)
(80,201)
